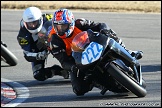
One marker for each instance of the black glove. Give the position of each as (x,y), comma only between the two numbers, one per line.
(107,32)
(112,34)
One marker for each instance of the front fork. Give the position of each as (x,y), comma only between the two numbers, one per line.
(118,49)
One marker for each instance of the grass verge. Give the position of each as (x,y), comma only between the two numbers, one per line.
(97,6)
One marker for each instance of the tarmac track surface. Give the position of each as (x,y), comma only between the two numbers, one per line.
(138,31)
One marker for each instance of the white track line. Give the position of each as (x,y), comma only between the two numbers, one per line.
(22,92)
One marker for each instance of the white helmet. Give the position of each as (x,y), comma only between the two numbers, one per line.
(33,19)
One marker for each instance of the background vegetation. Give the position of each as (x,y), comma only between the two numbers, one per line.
(97,6)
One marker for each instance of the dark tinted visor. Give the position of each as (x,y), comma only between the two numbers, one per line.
(61,28)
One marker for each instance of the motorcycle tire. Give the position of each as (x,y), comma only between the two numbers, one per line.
(125,80)
(8,56)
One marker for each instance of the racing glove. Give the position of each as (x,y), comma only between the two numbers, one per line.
(112,34)
(42,55)
(109,32)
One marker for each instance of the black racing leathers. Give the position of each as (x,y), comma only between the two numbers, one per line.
(80,86)
(31,45)
(29,42)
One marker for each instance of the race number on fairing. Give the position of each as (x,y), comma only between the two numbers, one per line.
(91,53)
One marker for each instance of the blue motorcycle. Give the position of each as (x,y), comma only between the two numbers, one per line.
(110,64)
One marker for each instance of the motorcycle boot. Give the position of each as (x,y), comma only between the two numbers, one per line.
(137,54)
(57,70)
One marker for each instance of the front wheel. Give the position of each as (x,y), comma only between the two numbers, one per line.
(126,81)
(8,56)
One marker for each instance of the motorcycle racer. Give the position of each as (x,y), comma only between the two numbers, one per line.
(64,29)
(34,51)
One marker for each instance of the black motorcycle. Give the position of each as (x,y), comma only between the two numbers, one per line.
(111,66)
(7,56)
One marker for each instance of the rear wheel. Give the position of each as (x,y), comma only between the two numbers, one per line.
(126,81)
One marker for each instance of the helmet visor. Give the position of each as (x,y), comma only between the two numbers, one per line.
(33,25)
(61,28)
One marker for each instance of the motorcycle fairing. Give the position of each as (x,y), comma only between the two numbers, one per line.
(88,47)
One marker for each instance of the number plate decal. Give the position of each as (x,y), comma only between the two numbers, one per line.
(91,53)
